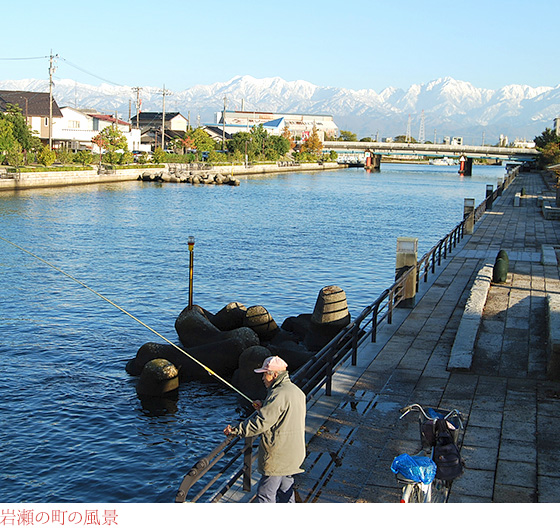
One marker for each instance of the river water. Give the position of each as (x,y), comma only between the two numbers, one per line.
(72,426)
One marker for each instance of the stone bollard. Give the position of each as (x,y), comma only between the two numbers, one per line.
(489,192)
(158,377)
(407,258)
(500,185)
(501,267)
(468,215)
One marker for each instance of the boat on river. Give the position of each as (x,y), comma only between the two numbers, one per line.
(445,161)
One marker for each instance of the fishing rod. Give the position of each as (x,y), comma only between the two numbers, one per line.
(209,370)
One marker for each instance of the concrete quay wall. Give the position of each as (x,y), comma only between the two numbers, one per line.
(45,179)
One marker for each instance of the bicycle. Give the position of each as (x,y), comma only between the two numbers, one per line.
(421,484)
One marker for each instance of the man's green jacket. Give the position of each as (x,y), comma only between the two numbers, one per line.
(281,424)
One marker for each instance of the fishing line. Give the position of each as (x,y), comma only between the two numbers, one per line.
(209,370)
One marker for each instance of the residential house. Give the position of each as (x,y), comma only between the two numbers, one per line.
(299,125)
(35,107)
(76,129)
(150,124)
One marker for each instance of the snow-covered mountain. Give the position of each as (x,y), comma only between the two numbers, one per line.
(450,107)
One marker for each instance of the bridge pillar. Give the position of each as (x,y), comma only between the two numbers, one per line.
(465,166)
(373,161)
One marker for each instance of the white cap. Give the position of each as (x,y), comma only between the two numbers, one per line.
(272,364)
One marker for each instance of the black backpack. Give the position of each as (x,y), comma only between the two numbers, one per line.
(446,453)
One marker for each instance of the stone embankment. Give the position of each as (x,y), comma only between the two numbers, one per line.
(169,173)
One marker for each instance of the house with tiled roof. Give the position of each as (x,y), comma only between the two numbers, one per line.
(35,107)
(76,129)
(174,121)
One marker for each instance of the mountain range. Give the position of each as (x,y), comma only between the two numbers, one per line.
(449,107)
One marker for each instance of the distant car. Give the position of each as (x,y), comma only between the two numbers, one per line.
(138,154)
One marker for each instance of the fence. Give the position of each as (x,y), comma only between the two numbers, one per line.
(318,371)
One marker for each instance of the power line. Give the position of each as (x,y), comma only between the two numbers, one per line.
(90,73)
(22,58)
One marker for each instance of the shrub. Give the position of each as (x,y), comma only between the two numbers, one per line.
(46,156)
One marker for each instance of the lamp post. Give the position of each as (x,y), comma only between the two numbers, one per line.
(191,263)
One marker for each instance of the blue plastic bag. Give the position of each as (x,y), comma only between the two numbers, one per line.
(417,468)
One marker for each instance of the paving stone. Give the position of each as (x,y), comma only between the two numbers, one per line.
(549,489)
(474,482)
(523,474)
(514,494)
(482,437)
(485,458)
(517,451)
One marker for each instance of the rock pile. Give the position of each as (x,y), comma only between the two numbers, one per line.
(235,340)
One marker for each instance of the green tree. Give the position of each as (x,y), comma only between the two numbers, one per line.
(242,143)
(402,139)
(313,145)
(548,143)
(548,136)
(202,140)
(21,131)
(114,141)
(347,136)
(7,139)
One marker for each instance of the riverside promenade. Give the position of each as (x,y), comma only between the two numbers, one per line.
(511,411)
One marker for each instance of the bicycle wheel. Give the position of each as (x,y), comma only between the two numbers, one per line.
(440,490)
(414,493)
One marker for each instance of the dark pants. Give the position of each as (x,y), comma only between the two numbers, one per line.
(276,489)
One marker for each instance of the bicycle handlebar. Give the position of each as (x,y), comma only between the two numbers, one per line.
(454,413)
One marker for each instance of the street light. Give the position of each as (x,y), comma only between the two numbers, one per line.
(191,263)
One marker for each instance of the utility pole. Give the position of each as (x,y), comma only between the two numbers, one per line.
(164,93)
(137,90)
(224,125)
(52,70)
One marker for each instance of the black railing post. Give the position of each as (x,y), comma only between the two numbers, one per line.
(247,463)
(329,372)
(355,332)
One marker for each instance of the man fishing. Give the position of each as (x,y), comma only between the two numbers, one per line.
(280,421)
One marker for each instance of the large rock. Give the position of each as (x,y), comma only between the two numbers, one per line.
(230,317)
(245,378)
(153,350)
(195,328)
(299,326)
(158,377)
(221,356)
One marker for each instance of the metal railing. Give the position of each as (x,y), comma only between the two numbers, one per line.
(318,371)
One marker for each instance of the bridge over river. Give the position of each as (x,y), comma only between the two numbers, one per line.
(465,153)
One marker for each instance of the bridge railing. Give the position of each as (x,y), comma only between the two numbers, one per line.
(318,371)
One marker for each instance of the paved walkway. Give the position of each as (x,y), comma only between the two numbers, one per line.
(512,411)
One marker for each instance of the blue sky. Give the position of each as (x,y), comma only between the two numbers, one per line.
(354,44)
